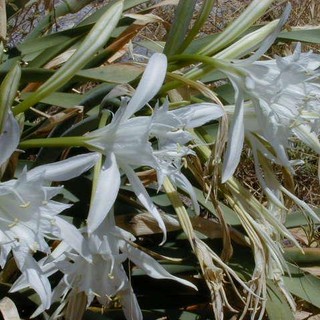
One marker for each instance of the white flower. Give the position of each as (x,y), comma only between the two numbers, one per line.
(285,96)
(125,144)
(105,277)
(28,216)
(170,129)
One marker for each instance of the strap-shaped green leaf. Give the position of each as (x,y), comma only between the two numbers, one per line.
(277,305)
(179,29)
(97,38)
(249,16)
(303,285)
(8,91)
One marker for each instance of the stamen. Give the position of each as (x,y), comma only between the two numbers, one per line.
(14,223)
(25,205)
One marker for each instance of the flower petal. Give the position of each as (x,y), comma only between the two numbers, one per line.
(151,267)
(144,198)
(35,278)
(236,137)
(304,133)
(72,236)
(65,169)
(195,115)
(129,303)
(106,193)
(183,183)
(149,85)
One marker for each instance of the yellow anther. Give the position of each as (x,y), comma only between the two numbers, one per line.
(25,204)
(14,223)
(110,276)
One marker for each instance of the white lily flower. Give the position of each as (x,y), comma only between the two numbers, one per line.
(170,129)
(285,95)
(29,216)
(9,137)
(105,277)
(125,144)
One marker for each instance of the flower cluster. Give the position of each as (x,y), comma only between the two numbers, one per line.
(283,101)
(125,142)
(276,101)
(91,259)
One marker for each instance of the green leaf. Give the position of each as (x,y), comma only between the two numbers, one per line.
(97,37)
(61,9)
(303,285)
(93,18)
(201,18)
(115,73)
(237,27)
(277,305)
(39,45)
(298,219)
(179,29)
(229,215)
(60,99)
(8,91)
(50,53)
(312,35)
(310,256)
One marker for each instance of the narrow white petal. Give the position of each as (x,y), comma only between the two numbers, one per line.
(35,278)
(183,183)
(130,305)
(303,132)
(72,236)
(144,198)
(270,192)
(151,267)
(195,115)
(65,169)
(106,193)
(149,85)
(9,138)
(301,204)
(236,138)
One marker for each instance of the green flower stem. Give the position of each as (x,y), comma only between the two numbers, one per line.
(54,142)
(192,84)
(211,63)
(236,50)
